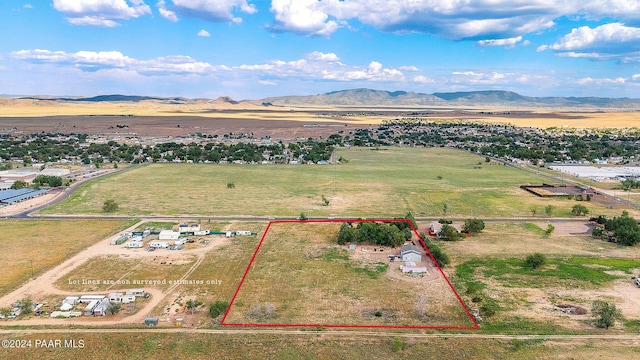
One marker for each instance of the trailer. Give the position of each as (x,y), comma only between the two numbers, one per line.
(243,233)
(134,245)
(201,232)
(159,245)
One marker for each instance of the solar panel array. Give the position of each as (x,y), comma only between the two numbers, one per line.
(12,196)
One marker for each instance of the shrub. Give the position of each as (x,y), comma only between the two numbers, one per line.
(535,260)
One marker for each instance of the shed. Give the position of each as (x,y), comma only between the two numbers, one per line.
(66,307)
(151,321)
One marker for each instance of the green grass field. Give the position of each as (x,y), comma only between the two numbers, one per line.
(375,183)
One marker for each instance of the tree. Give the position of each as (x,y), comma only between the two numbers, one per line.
(110,206)
(325,201)
(114,308)
(579,210)
(550,229)
(5,312)
(473,226)
(193,304)
(231,185)
(303,216)
(347,234)
(449,233)
(441,258)
(605,313)
(445,208)
(217,308)
(25,305)
(548,210)
(19,184)
(535,260)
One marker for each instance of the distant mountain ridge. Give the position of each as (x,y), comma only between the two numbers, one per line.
(370,97)
(486,97)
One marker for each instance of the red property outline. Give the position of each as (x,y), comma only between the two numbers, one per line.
(246,272)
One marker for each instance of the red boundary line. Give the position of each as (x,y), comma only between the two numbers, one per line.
(415,231)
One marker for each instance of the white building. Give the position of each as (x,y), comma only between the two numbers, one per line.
(410,253)
(168,235)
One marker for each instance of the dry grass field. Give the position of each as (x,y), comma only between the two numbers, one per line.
(315,346)
(300,276)
(41,244)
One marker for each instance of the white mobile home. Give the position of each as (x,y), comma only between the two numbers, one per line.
(134,244)
(135,292)
(90,298)
(159,245)
(243,233)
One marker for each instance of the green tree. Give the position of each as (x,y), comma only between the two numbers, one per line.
(550,229)
(535,260)
(473,226)
(441,258)
(19,184)
(217,308)
(303,216)
(579,210)
(114,308)
(5,312)
(449,233)
(605,313)
(25,305)
(325,201)
(347,234)
(193,305)
(110,206)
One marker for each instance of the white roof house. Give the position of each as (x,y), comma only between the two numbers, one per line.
(410,253)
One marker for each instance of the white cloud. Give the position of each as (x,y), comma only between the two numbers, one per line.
(312,66)
(27,6)
(604,42)
(303,17)
(510,42)
(420,79)
(208,10)
(408,68)
(100,12)
(601,81)
(203,33)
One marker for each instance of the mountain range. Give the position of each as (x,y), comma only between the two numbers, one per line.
(370,97)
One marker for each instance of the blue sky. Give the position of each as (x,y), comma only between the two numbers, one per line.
(250,49)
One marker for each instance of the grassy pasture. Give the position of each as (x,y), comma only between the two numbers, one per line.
(489,270)
(380,183)
(45,243)
(309,280)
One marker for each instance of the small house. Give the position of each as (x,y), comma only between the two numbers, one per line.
(410,253)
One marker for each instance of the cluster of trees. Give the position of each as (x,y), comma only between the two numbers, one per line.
(628,184)
(55,147)
(47,180)
(502,141)
(623,230)
(385,234)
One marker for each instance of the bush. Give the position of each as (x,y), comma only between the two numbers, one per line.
(606,314)
(110,206)
(536,260)
(218,308)
(473,226)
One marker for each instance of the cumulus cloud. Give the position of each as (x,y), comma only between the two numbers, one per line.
(601,81)
(100,12)
(450,19)
(304,17)
(510,42)
(203,33)
(312,66)
(208,10)
(604,42)
(92,61)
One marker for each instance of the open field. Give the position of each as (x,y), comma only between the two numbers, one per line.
(489,270)
(306,278)
(314,345)
(375,183)
(40,244)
